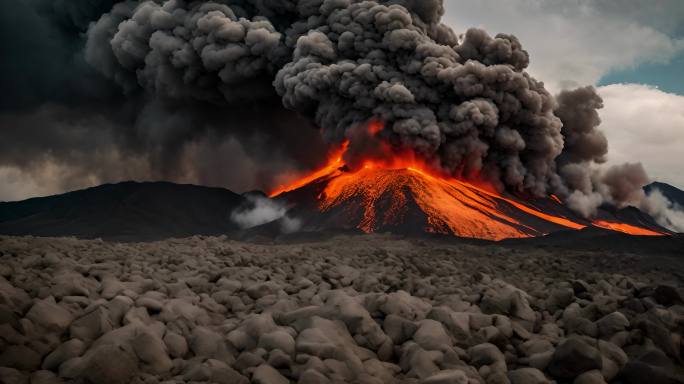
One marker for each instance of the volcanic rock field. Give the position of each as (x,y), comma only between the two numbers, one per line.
(347,309)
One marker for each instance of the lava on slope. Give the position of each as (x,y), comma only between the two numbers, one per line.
(402,194)
(625,228)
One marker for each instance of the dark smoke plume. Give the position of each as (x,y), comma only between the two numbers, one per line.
(200,70)
(59,113)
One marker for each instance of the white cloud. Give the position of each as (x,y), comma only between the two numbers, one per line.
(645,124)
(574,43)
(262,211)
(666,213)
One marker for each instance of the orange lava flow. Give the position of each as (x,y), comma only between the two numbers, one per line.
(334,163)
(535,212)
(450,208)
(626,228)
(397,189)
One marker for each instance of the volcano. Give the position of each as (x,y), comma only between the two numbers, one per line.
(404,197)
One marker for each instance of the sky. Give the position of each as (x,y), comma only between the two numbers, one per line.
(65,126)
(633,51)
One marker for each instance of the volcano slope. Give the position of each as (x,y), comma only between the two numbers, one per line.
(412,200)
(348,309)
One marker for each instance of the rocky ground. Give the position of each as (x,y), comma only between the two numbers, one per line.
(351,309)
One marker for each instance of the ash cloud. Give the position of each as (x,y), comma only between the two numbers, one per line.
(62,111)
(243,82)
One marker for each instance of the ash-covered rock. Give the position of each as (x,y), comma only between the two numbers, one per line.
(364,309)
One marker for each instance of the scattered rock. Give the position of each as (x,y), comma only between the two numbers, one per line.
(44,377)
(368,310)
(431,335)
(612,323)
(13,376)
(109,364)
(48,314)
(20,357)
(398,328)
(668,295)
(590,377)
(560,298)
(451,376)
(176,344)
(67,350)
(151,350)
(487,354)
(279,340)
(527,376)
(265,374)
(574,357)
(91,325)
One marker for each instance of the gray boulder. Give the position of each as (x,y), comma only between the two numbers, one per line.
(590,377)
(574,357)
(20,357)
(265,374)
(527,376)
(65,351)
(612,323)
(109,364)
(49,315)
(91,325)
(451,376)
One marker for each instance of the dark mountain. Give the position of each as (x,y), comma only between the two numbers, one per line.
(674,194)
(127,211)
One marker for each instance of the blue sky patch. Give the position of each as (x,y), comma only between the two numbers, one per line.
(668,77)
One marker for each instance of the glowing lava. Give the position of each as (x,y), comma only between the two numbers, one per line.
(450,206)
(625,228)
(399,191)
(334,164)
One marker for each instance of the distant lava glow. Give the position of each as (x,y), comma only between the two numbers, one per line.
(379,193)
(625,228)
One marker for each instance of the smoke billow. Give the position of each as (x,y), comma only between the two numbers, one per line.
(87,119)
(203,72)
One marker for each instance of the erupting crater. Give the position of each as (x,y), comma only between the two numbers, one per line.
(404,196)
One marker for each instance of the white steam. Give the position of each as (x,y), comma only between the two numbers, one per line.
(665,212)
(263,210)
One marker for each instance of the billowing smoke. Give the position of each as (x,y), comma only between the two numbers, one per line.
(223,70)
(467,106)
(72,119)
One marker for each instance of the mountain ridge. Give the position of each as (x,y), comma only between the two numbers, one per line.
(672,193)
(148,211)
(124,211)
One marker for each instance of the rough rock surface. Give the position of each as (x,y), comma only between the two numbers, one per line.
(349,309)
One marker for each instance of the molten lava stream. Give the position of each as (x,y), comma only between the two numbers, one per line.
(626,228)
(449,208)
(384,193)
(535,212)
(334,163)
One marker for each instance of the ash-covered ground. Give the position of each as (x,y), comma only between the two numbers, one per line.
(349,309)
